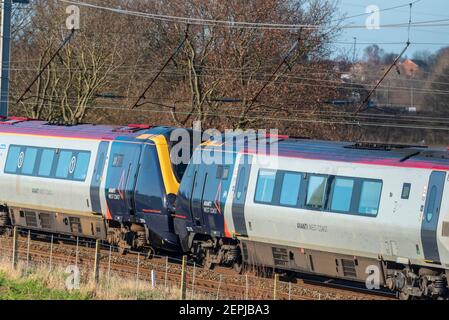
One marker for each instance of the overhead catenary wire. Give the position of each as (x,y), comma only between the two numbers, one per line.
(283,119)
(313,79)
(236,24)
(180,46)
(367,98)
(66,40)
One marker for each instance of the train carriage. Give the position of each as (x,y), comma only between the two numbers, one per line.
(93,181)
(337,209)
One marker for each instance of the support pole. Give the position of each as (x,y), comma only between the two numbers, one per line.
(183,278)
(5,52)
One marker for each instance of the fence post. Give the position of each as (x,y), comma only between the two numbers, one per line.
(137,274)
(193,280)
(289,291)
(76,253)
(109,270)
(275,286)
(97,261)
(166,276)
(246,287)
(153,279)
(219,286)
(183,278)
(28,248)
(51,253)
(14,248)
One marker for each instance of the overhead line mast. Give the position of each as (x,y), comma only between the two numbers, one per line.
(5,30)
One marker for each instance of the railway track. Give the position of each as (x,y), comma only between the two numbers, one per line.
(220,283)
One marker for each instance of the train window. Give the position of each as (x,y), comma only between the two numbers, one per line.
(82,164)
(342,194)
(117,160)
(62,169)
(265,186)
(406,190)
(290,189)
(30,159)
(12,159)
(241,183)
(315,191)
(370,197)
(222,172)
(46,162)
(431,203)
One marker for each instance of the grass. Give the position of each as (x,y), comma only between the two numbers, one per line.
(40,283)
(34,289)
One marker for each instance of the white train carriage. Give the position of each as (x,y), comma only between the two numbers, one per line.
(41,197)
(360,212)
(95,181)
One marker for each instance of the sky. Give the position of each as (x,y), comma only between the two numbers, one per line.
(423,10)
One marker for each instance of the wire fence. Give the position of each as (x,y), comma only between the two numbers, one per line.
(98,263)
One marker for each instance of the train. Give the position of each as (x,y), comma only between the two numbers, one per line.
(364,212)
(353,211)
(115,183)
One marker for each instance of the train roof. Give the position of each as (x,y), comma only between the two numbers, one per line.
(412,156)
(24,126)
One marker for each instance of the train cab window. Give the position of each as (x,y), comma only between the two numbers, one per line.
(117,160)
(149,190)
(370,197)
(241,183)
(82,164)
(431,204)
(406,190)
(29,160)
(342,194)
(12,159)
(46,162)
(291,184)
(64,164)
(315,192)
(265,186)
(222,172)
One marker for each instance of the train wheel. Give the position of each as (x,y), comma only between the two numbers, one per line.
(151,253)
(239,267)
(207,262)
(8,232)
(404,296)
(122,250)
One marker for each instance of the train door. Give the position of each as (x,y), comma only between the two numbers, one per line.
(196,200)
(431,216)
(240,191)
(121,178)
(96,177)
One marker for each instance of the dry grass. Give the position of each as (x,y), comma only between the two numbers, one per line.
(39,277)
